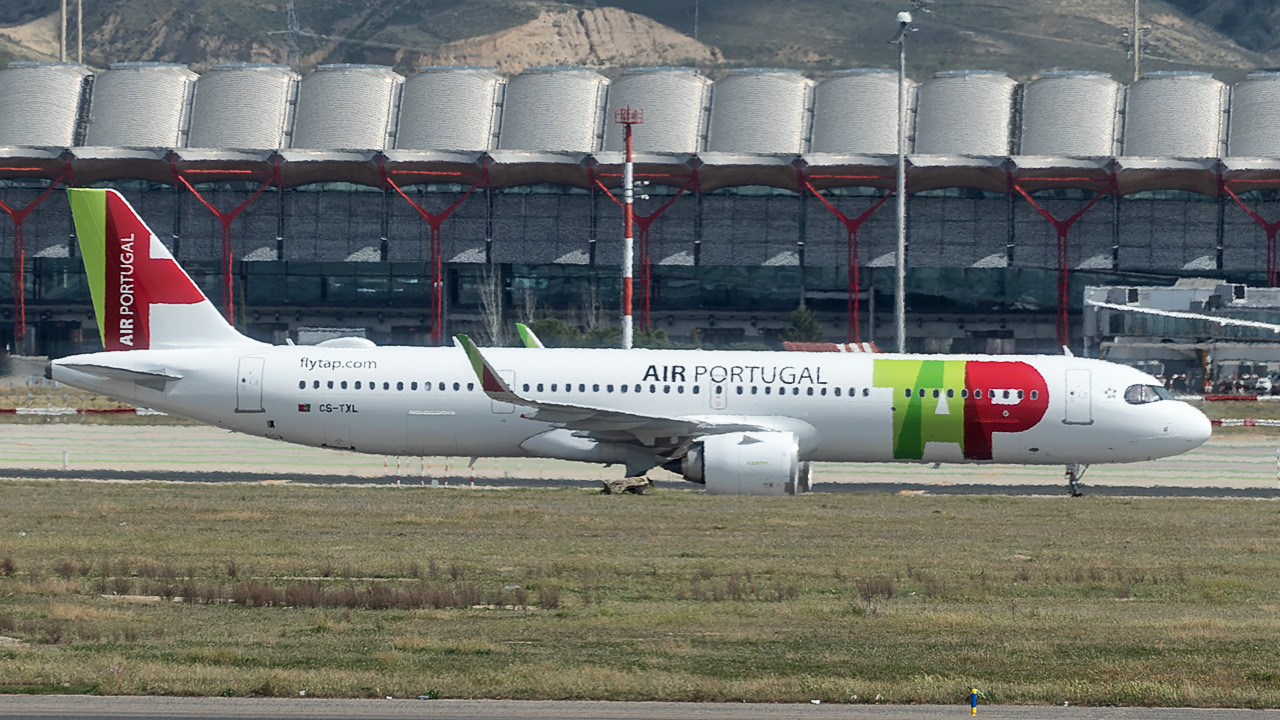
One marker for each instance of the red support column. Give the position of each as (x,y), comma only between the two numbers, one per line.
(225,218)
(851,227)
(645,222)
(19,218)
(1270,228)
(434,223)
(1063,228)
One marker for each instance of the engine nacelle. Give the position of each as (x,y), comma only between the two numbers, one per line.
(747,463)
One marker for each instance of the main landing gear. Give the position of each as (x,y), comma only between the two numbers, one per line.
(1074,474)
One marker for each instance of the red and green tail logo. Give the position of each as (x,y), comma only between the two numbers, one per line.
(129,269)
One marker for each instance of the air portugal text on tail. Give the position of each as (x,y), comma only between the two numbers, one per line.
(734,421)
(141,297)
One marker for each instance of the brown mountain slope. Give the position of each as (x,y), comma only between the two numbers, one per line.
(1016,36)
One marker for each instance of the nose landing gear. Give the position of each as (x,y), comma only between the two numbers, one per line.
(1074,474)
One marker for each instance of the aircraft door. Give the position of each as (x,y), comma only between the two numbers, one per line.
(718,392)
(1079,403)
(501,408)
(249,385)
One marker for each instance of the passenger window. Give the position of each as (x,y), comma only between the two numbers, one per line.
(315,385)
(739,389)
(935,393)
(539,387)
(824,392)
(357,384)
(526,387)
(666,389)
(964,393)
(653,389)
(679,389)
(623,388)
(768,389)
(1019,394)
(754,389)
(1035,394)
(400,386)
(330,385)
(413,385)
(440,386)
(977,394)
(386,385)
(553,387)
(865,392)
(343,384)
(608,388)
(457,386)
(637,387)
(907,392)
(838,392)
(302,384)
(595,387)
(697,389)
(471,386)
(1005,395)
(808,391)
(582,387)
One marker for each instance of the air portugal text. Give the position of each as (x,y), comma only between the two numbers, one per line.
(126,296)
(786,374)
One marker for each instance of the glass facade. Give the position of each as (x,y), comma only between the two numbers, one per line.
(317,252)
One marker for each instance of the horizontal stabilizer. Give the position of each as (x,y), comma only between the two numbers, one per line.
(150,378)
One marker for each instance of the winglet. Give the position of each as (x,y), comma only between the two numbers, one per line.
(490,381)
(527,337)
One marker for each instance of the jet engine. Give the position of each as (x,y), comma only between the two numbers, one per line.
(746,463)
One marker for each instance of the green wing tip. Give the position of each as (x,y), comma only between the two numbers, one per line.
(477,365)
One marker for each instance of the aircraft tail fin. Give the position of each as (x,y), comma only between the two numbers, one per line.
(142,298)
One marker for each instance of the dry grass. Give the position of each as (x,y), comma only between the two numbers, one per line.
(365,592)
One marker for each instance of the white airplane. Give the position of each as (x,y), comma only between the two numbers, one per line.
(734,421)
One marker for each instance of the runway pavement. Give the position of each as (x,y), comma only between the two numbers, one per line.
(45,707)
(1235,464)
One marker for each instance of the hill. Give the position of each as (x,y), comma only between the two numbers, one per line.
(1228,37)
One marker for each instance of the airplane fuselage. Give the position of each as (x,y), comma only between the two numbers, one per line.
(841,407)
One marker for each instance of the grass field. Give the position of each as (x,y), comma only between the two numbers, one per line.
(374,591)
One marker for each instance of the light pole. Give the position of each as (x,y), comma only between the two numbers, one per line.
(900,260)
(1133,39)
(900,257)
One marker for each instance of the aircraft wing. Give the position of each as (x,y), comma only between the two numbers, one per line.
(599,422)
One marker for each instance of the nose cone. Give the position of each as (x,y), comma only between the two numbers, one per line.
(1192,427)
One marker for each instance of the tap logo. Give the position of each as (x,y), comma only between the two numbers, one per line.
(963,402)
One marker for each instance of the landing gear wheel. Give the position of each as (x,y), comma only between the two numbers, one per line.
(1074,474)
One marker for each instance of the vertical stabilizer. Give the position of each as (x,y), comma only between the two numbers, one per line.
(142,298)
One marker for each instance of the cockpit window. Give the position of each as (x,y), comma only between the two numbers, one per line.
(1143,394)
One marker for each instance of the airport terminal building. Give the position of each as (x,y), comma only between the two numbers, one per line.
(413,208)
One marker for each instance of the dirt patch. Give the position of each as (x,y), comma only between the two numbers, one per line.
(40,36)
(597,38)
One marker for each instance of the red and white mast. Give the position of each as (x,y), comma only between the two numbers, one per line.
(627,117)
